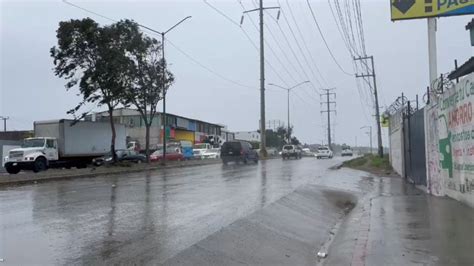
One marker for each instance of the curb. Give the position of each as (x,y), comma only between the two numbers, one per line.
(31,178)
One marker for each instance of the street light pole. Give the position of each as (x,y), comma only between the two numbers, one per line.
(288,105)
(163,78)
(288,126)
(370,136)
(4,118)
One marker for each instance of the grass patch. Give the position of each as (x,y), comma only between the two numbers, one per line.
(357,162)
(371,163)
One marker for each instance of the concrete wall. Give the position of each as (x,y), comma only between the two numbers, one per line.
(396,143)
(450,142)
(138,134)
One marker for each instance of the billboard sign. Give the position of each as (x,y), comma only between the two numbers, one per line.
(413,9)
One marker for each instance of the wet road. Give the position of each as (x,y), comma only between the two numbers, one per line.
(151,216)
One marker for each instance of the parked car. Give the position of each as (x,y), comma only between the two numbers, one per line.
(134,146)
(324,152)
(214,153)
(171,155)
(289,151)
(307,152)
(199,148)
(122,156)
(238,151)
(346,151)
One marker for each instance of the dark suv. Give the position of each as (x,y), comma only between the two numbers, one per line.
(238,151)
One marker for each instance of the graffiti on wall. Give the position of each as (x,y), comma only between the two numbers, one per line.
(455,132)
(435,180)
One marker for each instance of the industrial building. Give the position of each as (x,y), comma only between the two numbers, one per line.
(177,127)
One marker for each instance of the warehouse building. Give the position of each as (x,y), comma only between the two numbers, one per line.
(177,127)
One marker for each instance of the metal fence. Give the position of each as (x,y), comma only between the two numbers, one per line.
(414,146)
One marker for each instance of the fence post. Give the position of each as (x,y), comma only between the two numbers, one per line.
(428,95)
(404,144)
(409,138)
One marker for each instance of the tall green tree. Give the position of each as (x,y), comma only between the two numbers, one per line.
(279,137)
(295,141)
(147,80)
(94,58)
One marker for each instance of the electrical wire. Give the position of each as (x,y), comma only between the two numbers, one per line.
(299,47)
(305,45)
(324,40)
(172,44)
(272,68)
(271,49)
(294,54)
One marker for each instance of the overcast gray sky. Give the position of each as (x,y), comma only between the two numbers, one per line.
(30,91)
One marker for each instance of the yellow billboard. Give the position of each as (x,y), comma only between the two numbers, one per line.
(412,9)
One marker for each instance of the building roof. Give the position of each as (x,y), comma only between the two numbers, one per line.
(137,113)
(463,70)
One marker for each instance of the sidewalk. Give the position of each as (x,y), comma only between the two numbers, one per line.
(398,224)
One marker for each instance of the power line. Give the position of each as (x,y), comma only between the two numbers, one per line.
(324,39)
(172,44)
(89,11)
(305,45)
(271,49)
(346,42)
(205,67)
(294,54)
(299,47)
(249,38)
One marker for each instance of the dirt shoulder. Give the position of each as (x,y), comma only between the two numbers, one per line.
(373,164)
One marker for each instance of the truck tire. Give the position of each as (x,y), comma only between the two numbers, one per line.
(12,169)
(40,165)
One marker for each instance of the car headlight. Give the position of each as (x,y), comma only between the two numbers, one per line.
(108,159)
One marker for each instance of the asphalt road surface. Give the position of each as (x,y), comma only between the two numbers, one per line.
(152,216)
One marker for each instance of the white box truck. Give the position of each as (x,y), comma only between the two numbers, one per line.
(63,143)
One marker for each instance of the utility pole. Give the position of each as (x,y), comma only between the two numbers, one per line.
(328,110)
(4,118)
(377,111)
(263,145)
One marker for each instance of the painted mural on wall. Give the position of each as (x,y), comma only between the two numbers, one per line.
(435,180)
(455,132)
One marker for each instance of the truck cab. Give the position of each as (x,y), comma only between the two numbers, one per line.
(200,148)
(34,154)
